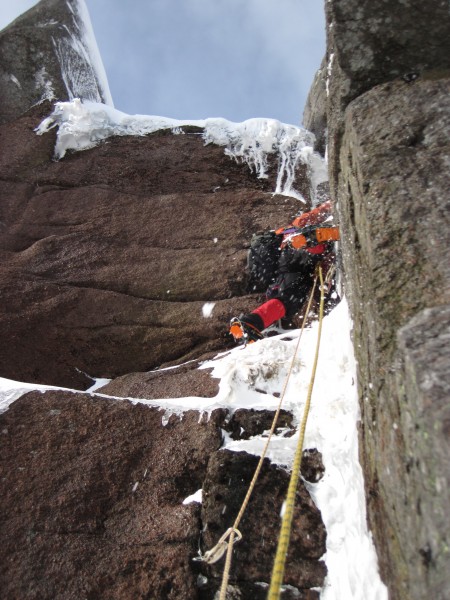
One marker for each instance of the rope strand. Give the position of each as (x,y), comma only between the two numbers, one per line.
(288,514)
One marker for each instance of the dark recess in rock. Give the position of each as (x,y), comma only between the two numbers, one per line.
(245,423)
(312,469)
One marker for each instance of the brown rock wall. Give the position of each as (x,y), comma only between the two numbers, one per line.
(108,255)
(92,493)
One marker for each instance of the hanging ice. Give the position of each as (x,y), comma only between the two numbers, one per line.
(82,125)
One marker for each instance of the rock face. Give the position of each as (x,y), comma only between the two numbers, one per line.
(388,117)
(109,255)
(371,43)
(315,111)
(101,485)
(394,207)
(92,504)
(178,382)
(50,52)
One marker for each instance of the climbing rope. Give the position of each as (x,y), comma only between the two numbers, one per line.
(228,538)
(288,513)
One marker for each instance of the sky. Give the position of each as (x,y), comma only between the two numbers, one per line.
(195,59)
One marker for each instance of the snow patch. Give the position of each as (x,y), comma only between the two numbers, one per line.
(15,80)
(329,70)
(44,83)
(98,383)
(82,69)
(197,497)
(332,429)
(91,46)
(207,309)
(11,390)
(47,23)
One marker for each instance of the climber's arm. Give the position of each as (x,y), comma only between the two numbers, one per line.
(314,216)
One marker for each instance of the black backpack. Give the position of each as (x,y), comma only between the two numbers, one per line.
(262,262)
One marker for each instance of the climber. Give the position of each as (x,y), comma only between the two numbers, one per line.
(288,266)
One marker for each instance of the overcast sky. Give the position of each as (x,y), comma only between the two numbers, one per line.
(193,59)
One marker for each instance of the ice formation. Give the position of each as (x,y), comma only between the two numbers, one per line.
(83,125)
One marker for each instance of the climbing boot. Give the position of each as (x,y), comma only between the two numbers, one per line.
(243,331)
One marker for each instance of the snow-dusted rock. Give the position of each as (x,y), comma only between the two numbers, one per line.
(50,53)
(315,111)
(173,382)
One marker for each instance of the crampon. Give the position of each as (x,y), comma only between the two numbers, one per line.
(244,333)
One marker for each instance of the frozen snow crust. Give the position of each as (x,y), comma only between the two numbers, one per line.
(350,556)
(82,125)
